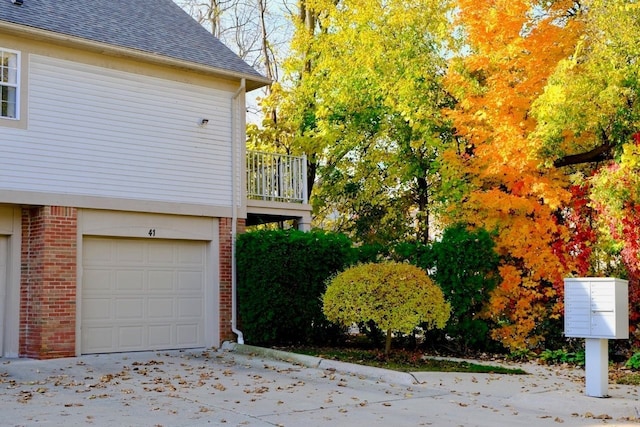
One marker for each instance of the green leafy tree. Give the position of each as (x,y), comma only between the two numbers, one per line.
(396,297)
(363,99)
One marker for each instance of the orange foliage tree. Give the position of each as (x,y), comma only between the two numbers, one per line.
(499,179)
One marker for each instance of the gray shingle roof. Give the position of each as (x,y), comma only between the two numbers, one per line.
(159,27)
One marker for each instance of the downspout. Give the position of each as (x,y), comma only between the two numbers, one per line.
(235,143)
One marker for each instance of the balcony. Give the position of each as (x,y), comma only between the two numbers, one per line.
(276,188)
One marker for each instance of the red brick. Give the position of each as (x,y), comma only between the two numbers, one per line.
(48,282)
(225,278)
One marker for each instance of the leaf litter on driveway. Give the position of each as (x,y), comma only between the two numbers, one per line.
(218,387)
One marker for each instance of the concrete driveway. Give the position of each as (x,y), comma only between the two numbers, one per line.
(253,387)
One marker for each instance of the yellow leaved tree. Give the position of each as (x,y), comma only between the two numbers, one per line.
(395,296)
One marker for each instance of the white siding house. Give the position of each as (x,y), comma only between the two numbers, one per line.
(122,178)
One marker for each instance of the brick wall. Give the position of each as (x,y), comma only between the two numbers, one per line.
(225,276)
(48,282)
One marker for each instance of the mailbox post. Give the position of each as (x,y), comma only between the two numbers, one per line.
(597,309)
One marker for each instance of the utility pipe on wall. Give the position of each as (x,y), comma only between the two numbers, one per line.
(235,143)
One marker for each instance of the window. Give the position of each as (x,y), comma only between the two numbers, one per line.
(9,84)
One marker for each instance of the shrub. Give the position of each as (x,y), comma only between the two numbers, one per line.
(464,264)
(553,357)
(396,297)
(280,280)
(634,362)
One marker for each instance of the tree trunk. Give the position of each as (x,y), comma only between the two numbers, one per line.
(598,154)
(387,345)
(422,232)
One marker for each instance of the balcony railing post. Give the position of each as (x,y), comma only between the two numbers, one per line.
(304,180)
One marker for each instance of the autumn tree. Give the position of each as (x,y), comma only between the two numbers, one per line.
(396,297)
(588,123)
(497,179)
(363,102)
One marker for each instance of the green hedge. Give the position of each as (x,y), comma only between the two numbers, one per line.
(465,265)
(281,277)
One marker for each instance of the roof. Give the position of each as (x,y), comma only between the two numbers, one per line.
(158,27)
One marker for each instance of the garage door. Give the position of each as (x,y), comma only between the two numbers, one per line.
(140,294)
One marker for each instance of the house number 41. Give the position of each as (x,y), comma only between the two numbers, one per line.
(152,232)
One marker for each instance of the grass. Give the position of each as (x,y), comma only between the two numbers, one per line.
(411,361)
(403,361)
(628,379)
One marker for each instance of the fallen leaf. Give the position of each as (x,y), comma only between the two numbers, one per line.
(25,396)
(602,417)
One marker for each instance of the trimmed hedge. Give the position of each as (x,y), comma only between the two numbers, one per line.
(281,278)
(282,275)
(465,266)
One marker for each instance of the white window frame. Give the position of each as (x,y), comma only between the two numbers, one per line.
(14,97)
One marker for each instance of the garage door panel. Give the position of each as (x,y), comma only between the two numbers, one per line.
(129,308)
(131,338)
(129,280)
(190,254)
(129,252)
(144,295)
(188,334)
(161,308)
(96,252)
(160,335)
(159,255)
(100,339)
(98,280)
(96,309)
(188,308)
(161,280)
(190,280)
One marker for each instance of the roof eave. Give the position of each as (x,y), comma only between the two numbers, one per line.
(252,81)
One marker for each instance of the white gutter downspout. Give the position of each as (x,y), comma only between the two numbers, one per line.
(235,143)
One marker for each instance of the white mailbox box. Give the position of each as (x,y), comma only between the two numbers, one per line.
(597,309)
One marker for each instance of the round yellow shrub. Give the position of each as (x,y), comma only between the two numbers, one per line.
(397,297)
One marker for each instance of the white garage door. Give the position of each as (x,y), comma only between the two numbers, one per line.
(142,294)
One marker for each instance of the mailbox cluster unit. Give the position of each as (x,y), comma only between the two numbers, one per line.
(596,307)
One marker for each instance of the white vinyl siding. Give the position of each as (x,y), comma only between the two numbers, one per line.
(100,132)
